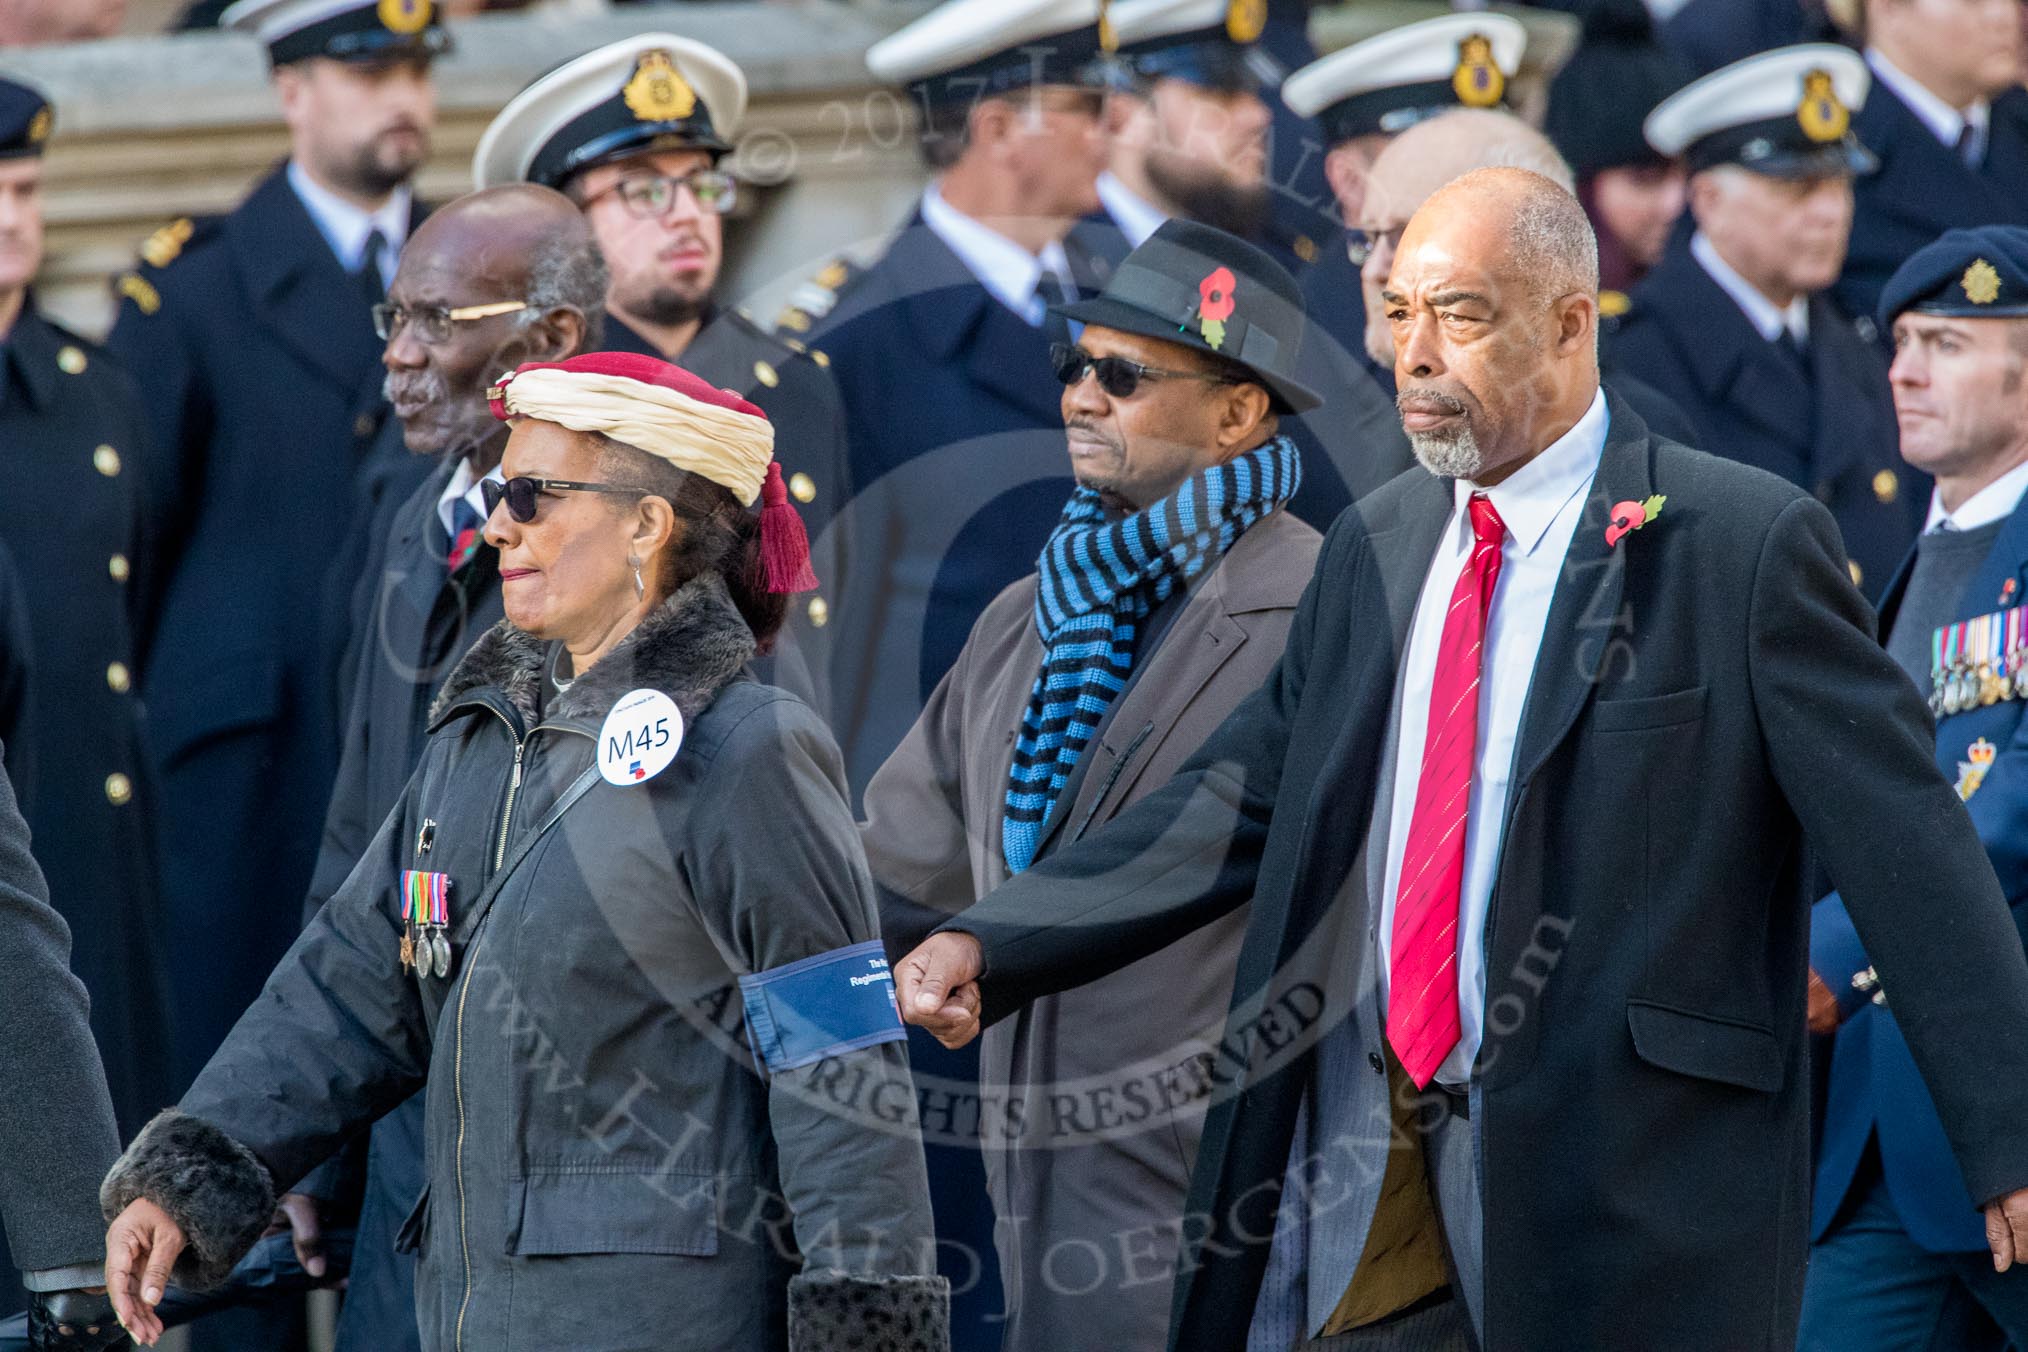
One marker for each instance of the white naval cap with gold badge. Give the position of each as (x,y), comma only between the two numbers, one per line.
(1785,113)
(968,49)
(344,30)
(1393,80)
(654,91)
(1213,44)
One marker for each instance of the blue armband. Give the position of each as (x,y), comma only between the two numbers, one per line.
(823,1006)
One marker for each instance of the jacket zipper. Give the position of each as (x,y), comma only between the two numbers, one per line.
(464,992)
(458,1058)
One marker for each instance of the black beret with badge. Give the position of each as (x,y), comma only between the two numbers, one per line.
(1976,273)
(1393,80)
(650,92)
(1785,113)
(965,50)
(1213,44)
(25,121)
(1213,292)
(343,30)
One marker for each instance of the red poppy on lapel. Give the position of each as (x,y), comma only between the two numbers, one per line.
(1631,516)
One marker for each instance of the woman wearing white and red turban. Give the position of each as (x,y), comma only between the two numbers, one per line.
(621,929)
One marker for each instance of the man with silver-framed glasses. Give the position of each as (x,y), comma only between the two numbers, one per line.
(634,132)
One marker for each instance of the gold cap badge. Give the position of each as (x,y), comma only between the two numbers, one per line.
(405,16)
(658,92)
(39,125)
(1981,282)
(1244,19)
(1477,81)
(1108,35)
(1821,115)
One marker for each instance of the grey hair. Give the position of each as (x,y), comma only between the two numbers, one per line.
(1554,243)
(567,271)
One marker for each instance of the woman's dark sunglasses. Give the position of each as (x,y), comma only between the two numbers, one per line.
(1117,376)
(521,494)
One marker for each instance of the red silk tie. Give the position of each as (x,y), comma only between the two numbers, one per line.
(1422,1008)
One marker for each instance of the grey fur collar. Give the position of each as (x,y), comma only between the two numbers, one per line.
(690,647)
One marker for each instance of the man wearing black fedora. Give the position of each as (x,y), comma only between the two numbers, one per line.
(1098,679)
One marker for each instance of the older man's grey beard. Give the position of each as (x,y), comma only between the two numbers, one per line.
(1451,454)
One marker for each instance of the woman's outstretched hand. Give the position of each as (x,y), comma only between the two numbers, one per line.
(141,1248)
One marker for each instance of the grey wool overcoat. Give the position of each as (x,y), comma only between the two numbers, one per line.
(1091,1102)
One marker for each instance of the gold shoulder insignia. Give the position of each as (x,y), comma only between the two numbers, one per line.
(160,249)
(794,320)
(1613,304)
(141,291)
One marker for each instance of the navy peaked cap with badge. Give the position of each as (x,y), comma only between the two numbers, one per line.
(1213,292)
(1785,113)
(343,30)
(650,92)
(964,50)
(1213,44)
(25,120)
(1976,273)
(1393,80)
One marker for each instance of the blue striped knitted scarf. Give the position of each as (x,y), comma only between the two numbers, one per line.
(1098,582)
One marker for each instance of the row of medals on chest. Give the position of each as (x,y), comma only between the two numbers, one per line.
(1979,662)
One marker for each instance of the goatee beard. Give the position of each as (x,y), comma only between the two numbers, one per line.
(1206,198)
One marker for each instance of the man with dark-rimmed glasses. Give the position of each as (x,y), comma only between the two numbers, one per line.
(634,133)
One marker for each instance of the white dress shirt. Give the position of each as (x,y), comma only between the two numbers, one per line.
(463,485)
(1996,500)
(1009,272)
(345,227)
(1766,317)
(1945,122)
(1134,214)
(1540,504)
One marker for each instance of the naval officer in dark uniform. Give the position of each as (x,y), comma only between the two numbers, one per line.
(1898,1254)
(1736,323)
(1948,119)
(67,514)
(252,340)
(72,424)
(636,132)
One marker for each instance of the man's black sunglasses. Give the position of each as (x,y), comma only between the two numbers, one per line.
(521,493)
(1117,376)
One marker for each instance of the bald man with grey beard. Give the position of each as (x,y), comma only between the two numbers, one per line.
(500,277)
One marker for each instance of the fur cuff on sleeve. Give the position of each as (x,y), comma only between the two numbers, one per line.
(211,1186)
(833,1312)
